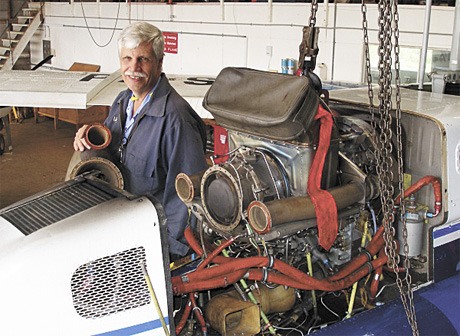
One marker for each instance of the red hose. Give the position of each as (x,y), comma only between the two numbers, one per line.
(192,302)
(225,274)
(291,279)
(240,265)
(325,285)
(233,265)
(219,282)
(231,270)
(376,279)
(429,179)
(215,253)
(243,265)
(184,317)
(193,243)
(229,265)
(198,314)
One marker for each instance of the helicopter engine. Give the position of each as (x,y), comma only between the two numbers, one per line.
(261,191)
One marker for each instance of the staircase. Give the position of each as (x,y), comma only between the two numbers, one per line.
(17,36)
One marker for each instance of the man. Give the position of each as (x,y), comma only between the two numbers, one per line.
(155,132)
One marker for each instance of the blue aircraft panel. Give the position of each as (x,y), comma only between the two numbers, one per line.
(437,310)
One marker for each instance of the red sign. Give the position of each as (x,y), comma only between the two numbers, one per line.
(171,42)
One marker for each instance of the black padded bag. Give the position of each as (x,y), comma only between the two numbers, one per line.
(266,104)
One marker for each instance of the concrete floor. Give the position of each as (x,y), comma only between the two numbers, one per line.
(39,158)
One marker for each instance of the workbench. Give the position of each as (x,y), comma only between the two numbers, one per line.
(78,117)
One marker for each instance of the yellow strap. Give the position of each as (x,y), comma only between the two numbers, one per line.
(155,299)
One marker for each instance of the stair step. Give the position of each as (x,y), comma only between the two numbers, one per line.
(4,57)
(29,11)
(19,25)
(25,17)
(8,42)
(15,32)
(34,5)
(4,50)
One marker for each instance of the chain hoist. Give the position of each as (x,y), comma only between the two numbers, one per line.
(308,49)
(383,140)
(314,10)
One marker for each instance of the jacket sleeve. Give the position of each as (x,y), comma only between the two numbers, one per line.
(182,153)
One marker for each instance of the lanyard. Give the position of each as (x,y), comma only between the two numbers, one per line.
(131,122)
(130,119)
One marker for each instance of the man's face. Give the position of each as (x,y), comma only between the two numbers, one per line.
(140,69)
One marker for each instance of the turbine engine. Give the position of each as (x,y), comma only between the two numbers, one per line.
(294,180)
(261,187)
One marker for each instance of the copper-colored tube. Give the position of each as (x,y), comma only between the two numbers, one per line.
(188,186)
(263,216)
(97,136)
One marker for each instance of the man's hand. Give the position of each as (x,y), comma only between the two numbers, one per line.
(79,142)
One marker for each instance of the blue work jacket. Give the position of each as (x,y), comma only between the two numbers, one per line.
(169,139)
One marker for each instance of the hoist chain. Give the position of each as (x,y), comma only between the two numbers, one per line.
(314,10)
(410,308)
(383,140)
(368,61)
(308,48)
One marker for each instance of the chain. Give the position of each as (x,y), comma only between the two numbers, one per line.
(368,61)
(383,142)
(409,308)
(314,9)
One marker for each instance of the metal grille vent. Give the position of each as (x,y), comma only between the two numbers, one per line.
(110,285)
(55,206)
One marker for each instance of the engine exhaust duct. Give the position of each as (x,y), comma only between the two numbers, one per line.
(264,216)
(96,159)
(188,186)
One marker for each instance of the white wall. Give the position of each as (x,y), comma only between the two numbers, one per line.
(212,36)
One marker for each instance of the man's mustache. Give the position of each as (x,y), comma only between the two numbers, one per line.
(135,74)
